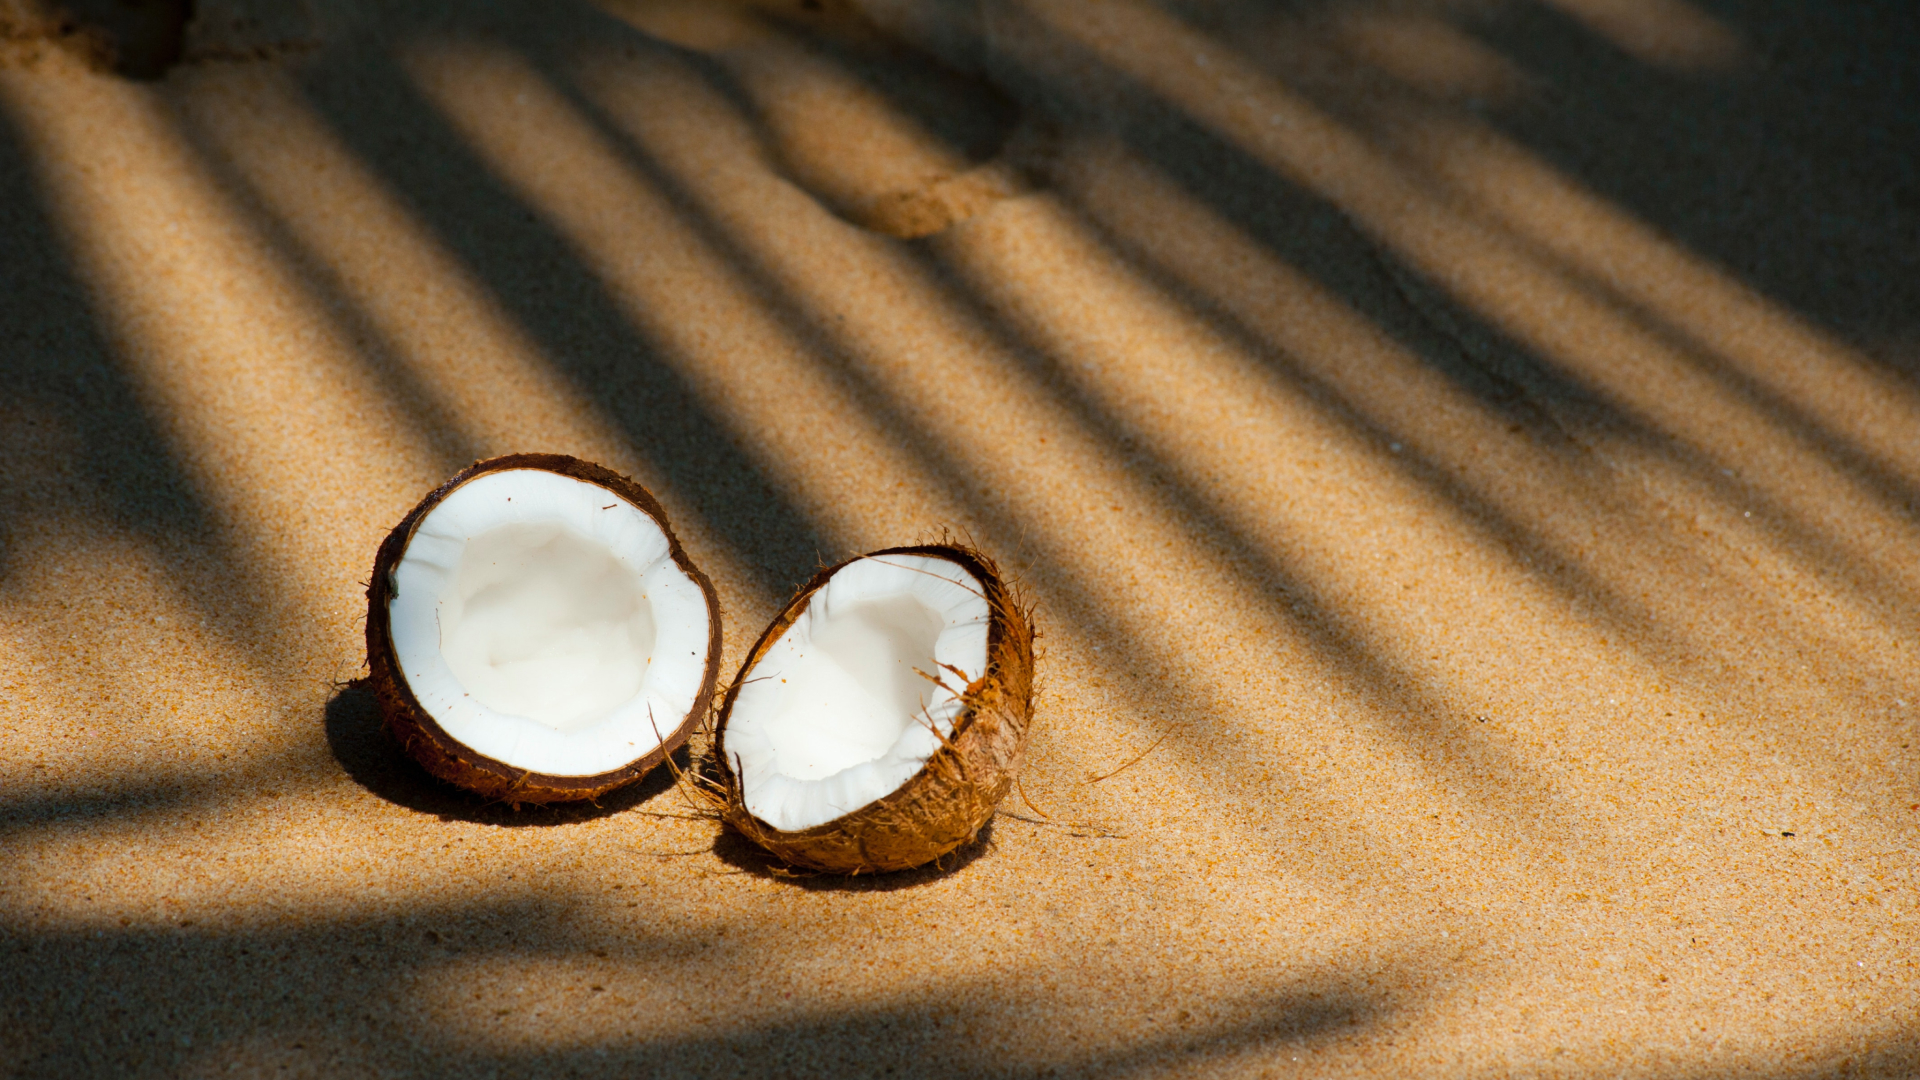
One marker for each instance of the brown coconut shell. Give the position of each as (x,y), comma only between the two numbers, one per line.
(954,794)
(455,762)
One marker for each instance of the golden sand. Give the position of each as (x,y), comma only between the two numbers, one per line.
(1466,457)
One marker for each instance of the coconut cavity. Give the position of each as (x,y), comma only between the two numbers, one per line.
(859,691)
(544,629)
(542,622)
(882,715)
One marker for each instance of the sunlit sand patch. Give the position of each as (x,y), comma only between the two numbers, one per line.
(1293,506)
(1430,53)
(1547,727)
(517,1005)
(1815,395)
(175,648)
(661,998)
(635,992)
(249,380)
(1643,376)
(651,990)
(1836,383)
(475,370)
(121,662)
(266,848)
(1568,514)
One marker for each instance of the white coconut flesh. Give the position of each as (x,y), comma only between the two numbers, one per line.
(859,691)
(541,621)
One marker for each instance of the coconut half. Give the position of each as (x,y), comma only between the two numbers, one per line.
(883,715)
(536,634)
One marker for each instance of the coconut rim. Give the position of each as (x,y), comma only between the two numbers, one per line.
(514,783)
(1000,601)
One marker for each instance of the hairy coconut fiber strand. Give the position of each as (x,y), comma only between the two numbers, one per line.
(532,645)
(970,769)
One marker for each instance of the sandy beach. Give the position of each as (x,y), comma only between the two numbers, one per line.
(1465,456)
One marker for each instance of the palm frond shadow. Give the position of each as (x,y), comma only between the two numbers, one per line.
(578,325)
(370,994)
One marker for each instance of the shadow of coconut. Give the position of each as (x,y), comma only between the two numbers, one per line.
(360,743)
(749,858)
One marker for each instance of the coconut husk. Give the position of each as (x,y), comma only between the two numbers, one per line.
(954,794)
(455,762)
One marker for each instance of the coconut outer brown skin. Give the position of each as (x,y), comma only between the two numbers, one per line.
(453,761)
(947,802)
